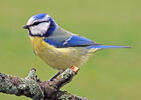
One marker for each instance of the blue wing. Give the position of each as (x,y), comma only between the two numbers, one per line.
(78,41)
(74,41)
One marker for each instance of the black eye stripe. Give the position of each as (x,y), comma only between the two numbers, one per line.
(36,23)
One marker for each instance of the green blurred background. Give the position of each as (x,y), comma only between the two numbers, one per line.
(113,74)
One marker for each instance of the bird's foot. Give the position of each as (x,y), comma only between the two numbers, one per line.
(74,68)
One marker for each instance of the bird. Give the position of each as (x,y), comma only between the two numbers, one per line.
(58,47)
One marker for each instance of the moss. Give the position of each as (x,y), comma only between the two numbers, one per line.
(36,90)
(6,85)
(67,74)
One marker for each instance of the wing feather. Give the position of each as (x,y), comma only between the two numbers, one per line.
(73,41)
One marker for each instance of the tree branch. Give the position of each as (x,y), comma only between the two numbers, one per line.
(31,86)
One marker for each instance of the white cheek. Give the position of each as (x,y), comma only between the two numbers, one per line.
(39,29)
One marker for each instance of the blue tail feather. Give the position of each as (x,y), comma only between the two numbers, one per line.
(106,46)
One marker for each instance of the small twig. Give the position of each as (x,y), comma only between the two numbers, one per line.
(32,87)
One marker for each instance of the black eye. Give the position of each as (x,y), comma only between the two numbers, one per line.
(36,23)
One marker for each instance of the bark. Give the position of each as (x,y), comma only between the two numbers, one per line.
(32,87)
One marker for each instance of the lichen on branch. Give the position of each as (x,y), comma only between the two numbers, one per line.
(32,87)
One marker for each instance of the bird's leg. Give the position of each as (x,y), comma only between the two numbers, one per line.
(57,74)
(54,76)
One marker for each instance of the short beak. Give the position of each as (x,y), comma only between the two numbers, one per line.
(26,27)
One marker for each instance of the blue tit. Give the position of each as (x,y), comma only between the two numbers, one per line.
(58,47)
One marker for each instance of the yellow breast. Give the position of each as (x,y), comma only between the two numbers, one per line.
(59,58)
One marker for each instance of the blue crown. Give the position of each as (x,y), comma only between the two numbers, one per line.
(39,16)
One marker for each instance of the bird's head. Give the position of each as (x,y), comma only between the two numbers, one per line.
(41,25)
